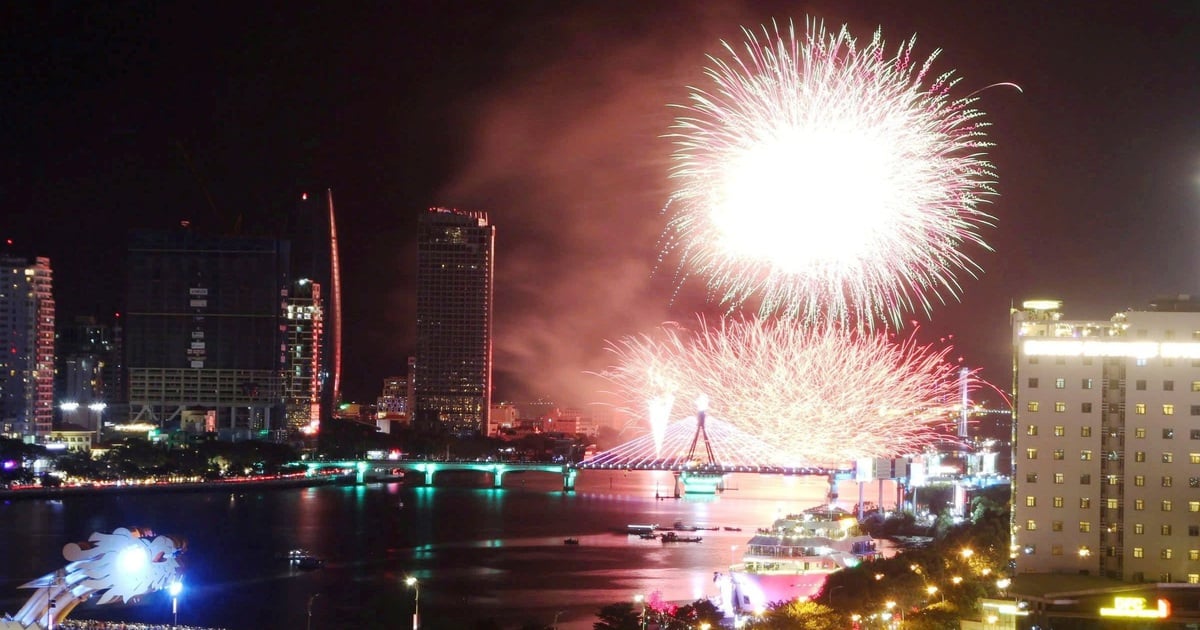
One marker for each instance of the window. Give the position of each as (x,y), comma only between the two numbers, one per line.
(1060,383)
(1031,501)
(1086,384)
(1196,432)
(1139,480)
(1085,431)
(1058,502)
(1166,505)
(1141,384)
(1031,525)
(1165,554)
(1031,477)
(1139,528)
(1031,453)
(1166,481)
(1085,502)
(1059,430)
(1193,554)
(1085,407)
(1056,526)
(1193,578)
(1085,479)
(1058,453)
(1194,458)
(1138,552)
(1140,409)
(1112,504)
(1164,530)
(1167,458)
(1033,406)
(1113,480)
(1085,526)
(1031,429)
(1140,432)
(1168,386)
(1033,382)
(1168,409)
(1056,550)
(1059,477)
(1196,386)
(1168,434)
(1194,482)
(1139,504)
(1060,407)
(1085,455)
(1194,506)
(1138,456)
(1195,411)
(1193,530)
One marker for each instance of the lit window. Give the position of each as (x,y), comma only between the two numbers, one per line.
(1140,432)
(1085,527)
(1030,501)
(1139,456)
(1031,429)
(1113,480)
(1140,409)
(1139,528)
(1059,477)
(1164,530)
(1059,453)
(1033,406)
(1194,506)
(1085,503)
(1112,504)
(1138,552)
(1167,458)
(1139,504)
(1165,554)
(1168,434)
(1166,505)
(1166,481)
(1031,453)
(1085,431)
(1060,383)
(1196,386)
(1059,431)
(1085,455)
(1193,554)
(1060,407)
(1168,409)
(1087,383)
(1193,578)
(1031,525)
(1058,502)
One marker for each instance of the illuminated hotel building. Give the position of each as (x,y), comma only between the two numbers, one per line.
(1106,443)
(27,341)
(304,335)
(453,368)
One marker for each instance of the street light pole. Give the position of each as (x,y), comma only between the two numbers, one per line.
(310,601)
(412,581)
(175,589)
(641,599)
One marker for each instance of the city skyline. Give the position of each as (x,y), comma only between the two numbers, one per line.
(550,119)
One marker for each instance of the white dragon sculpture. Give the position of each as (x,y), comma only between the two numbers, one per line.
(126,564)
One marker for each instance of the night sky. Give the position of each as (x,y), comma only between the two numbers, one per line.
(550,117)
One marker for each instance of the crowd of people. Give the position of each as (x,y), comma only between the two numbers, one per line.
(89,624)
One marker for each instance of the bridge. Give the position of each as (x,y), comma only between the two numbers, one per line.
(427,469)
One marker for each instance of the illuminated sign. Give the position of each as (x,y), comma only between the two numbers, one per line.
(1135,607)
(1125,349)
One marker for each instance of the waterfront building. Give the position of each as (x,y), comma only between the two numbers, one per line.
(453,368)
(89,381)
(202,331)
(27,335)
(1106,444)
(303,325)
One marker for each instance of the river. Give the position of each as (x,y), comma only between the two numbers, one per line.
(477,552)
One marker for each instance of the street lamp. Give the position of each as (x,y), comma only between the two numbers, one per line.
(932,590)
(310,601)
(175,589)
(416,586)
(641,599)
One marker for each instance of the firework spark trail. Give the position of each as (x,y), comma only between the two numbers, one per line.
(833,182)
(819,396)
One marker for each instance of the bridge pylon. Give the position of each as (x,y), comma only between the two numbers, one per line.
(707,477)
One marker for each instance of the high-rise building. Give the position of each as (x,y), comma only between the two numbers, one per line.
(453,369)
(303,326)
(203,331)
(27,336)
(89,383)
(1106,443)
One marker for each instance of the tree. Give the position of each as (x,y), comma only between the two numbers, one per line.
(619,616)
(801,614)
(692,616)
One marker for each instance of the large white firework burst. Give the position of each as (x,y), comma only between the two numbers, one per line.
(830,182)
(816,395)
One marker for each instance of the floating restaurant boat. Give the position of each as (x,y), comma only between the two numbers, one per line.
(570,541)
(791,559)
(672,537)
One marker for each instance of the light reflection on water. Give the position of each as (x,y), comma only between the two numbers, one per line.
(477,552)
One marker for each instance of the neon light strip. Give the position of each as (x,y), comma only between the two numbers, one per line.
(1122,349)
(335,301)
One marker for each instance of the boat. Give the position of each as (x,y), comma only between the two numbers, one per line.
(732,529)
(680,527)
(648,536)
(641,529)
(672,537)
(570,541)
(792,558)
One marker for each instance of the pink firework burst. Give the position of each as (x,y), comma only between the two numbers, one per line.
(817,396)
(831,182)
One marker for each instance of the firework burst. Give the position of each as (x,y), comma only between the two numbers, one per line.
(818,396)
(831,182)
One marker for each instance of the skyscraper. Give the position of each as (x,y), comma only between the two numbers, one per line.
(202,330)
(453,369)
(314,259)
(1106,443)
(27,336)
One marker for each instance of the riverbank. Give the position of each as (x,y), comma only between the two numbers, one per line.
(225,485)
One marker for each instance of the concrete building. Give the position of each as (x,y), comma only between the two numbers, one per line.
(453,368)
(27,336)
(1106,443)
